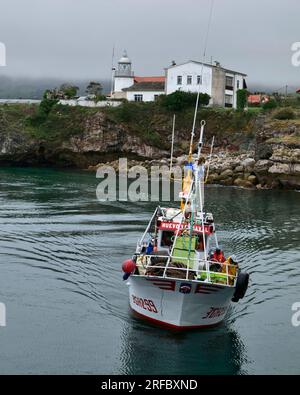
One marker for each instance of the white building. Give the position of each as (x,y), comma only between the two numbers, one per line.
(123,76)
(133,88)
(219,83)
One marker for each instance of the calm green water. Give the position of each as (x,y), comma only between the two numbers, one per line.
(67,307)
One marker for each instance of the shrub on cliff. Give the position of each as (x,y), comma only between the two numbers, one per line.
(43,111)
(46,105)
(284,113)
(127,112)
(68,91)
(241,99)
(94,91)
(179,101)
(270,105)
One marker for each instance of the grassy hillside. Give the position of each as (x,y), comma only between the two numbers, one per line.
(150,121)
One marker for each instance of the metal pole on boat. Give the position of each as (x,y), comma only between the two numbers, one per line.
(210,155)
(200,144)
(148,227)
(181,220)
(203,235)
(172,147)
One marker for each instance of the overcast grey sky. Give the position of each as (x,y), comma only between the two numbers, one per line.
(74,38)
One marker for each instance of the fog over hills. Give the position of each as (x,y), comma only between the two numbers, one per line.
(53,40)
(33,88)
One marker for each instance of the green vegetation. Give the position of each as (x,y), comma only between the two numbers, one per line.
(94,90)
(241,99)
(284,113)
(12,116)
(153,123)
(68,91)
(60,123)
(150,122)
(179,101)
(270,105)
(291,101)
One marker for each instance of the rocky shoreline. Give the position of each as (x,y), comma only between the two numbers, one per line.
(272,162)
(237,169)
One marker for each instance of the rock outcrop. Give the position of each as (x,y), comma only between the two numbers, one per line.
(100,140)
(265,155)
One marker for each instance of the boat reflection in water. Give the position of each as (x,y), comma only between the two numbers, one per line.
(147,349)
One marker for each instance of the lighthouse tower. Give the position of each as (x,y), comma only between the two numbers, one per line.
(123,76)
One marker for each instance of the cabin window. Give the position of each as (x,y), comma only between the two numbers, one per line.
(179,80)
(138,97)
(166,238)
(189,80)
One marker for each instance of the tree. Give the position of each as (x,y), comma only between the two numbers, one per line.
(94,89)
(46,104)
(68,91)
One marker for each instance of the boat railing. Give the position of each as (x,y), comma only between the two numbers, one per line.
(140,242)
(193,268)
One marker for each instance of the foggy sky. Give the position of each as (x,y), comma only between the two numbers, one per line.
(74,38)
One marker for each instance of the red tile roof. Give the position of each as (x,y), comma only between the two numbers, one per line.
(257,99)
(149,86)
(149,79)
(254,99)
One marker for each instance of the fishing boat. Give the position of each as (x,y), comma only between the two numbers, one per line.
(178,277)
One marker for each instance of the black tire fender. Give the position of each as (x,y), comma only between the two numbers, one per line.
(241,286)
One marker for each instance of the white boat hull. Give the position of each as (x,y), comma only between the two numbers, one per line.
(179,304)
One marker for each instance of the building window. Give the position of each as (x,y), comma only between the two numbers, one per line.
(228,100)
(199,79)
(229,83)
(238,84)
(179,80)
(155,97)
(189,80)
(138,97)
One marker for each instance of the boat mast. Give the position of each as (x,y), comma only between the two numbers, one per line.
(209,159)
(172,146)
(199,171)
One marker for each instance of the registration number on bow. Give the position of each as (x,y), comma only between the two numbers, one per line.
(146,304)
